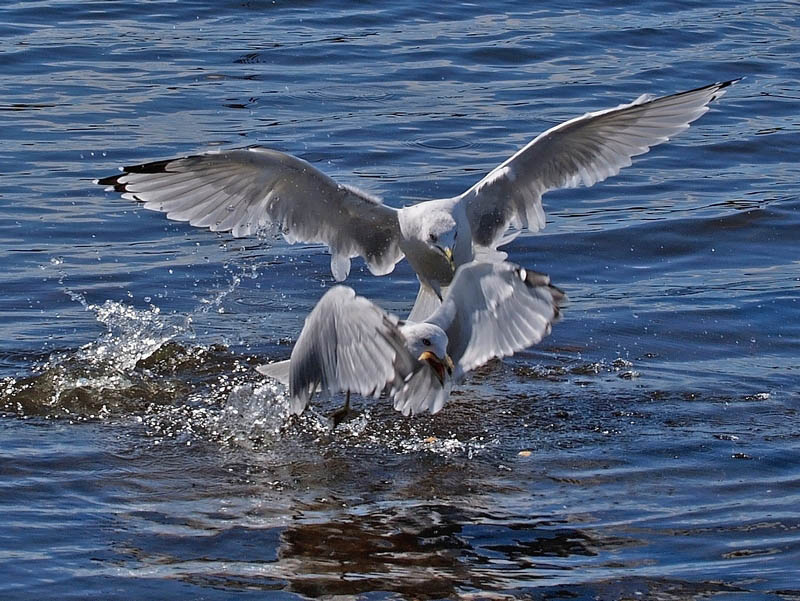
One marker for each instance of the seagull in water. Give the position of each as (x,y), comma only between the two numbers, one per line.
(349,344)
(248,189)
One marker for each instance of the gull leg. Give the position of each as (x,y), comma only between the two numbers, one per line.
(337,417)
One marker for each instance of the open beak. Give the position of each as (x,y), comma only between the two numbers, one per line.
(439,367)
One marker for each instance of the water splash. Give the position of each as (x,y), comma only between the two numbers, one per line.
(252,417)
(141,367)
(215,301)
(131,335)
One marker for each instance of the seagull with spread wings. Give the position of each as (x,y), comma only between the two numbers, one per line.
(245,190)
(349,344)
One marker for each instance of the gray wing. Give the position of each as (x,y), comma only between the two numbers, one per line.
(584,150)
(421,392)
(495,310)
(347,343)
(245,190)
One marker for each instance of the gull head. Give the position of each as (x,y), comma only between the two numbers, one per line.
(440,234)
(427,342)
(429,237)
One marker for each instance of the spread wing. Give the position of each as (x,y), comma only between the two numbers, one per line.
(347,343)
(495,310)
(245,190)
(584,150)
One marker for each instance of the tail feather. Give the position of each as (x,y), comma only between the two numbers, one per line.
(279,370)
(427,302)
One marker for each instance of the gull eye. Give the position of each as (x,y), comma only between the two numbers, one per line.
(426,341)
(433,238)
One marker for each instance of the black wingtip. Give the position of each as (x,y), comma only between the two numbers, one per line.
(730,82)
(153,167)
(559,296)
(533,278)
(715,89)
(537,279)
(111,180)
(112,183)
(721,85)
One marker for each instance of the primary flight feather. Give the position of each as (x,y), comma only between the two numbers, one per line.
(245,190)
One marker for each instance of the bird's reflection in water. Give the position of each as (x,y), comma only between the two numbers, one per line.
(426,551)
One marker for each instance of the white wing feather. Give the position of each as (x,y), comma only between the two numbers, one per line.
(245,190)
(347,343)
(493,310)
(583,150)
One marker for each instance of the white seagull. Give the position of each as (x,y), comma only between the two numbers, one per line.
(246,190)
(349,344)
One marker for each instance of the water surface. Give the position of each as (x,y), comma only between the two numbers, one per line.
(646,449)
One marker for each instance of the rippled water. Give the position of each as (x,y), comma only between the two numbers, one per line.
(647,449)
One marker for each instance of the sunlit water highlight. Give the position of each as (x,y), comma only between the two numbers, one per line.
(647,449)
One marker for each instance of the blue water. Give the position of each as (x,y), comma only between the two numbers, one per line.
(647,449)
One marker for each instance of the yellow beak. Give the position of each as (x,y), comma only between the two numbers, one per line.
(439,367)
(448,253)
